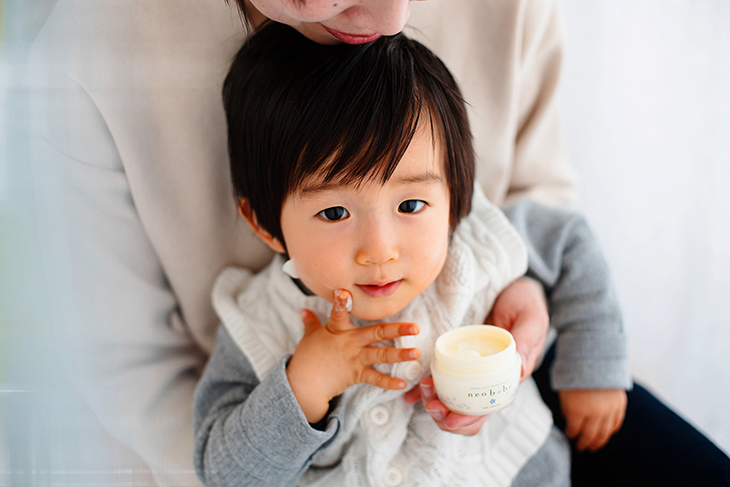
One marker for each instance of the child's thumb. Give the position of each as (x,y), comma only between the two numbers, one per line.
(340,316)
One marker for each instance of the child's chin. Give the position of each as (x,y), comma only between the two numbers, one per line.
(380,314)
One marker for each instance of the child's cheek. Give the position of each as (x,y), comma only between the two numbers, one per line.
(322,269)
(431,251)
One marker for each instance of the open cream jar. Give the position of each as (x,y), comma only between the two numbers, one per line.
(476,369)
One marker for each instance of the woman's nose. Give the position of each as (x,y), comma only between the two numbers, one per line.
(386,17)
(377,244)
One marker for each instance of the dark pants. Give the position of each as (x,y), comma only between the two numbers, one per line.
(654,447)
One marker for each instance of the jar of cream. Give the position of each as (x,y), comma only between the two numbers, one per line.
(476,369)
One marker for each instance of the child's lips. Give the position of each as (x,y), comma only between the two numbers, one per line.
(380,290)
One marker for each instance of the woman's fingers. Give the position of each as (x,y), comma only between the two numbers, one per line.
(375,378)
(386,331)
(387,355)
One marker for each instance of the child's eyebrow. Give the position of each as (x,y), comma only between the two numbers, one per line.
(427,177)
(310,190)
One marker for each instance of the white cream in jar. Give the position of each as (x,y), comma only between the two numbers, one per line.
(476,369)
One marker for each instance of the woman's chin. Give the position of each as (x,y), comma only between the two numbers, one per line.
(314,31)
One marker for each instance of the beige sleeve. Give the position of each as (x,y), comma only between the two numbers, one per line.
(120,333)
(540,168)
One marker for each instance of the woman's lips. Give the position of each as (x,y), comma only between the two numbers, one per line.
(351,38)
(378,291)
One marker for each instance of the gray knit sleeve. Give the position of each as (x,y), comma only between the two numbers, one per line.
(249,432)
(564,256)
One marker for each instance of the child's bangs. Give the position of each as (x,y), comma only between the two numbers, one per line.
(359,129)
(368,153)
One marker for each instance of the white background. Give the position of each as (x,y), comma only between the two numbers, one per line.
(646,97)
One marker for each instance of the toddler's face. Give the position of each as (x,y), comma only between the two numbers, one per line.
(385,244)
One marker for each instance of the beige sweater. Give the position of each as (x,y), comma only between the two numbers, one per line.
(133,189)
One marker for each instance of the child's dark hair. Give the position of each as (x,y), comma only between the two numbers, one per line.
(297,109)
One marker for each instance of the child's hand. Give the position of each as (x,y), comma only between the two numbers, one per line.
(592,415)
(333,357)
(445,419)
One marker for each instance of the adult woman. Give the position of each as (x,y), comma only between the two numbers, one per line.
(134,189)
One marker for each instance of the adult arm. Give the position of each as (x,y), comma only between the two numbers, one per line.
(123,341)
(538,166)
(249,432)
(565,258)
(540,170)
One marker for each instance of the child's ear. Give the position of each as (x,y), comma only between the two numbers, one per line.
(244,208)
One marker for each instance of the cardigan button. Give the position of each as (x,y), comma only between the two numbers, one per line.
(413,371)
(379,415)
(393,477)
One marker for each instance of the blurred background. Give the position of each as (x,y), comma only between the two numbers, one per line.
(646,98)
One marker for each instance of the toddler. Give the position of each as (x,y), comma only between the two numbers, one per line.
(354,164)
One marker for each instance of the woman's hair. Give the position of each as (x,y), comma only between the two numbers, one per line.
(298,109)
(243,12)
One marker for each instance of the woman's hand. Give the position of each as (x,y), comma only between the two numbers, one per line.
(520,309)
(447,420)
(333,357)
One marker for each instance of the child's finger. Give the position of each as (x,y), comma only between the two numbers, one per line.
(341,306)
(602,435)
(574,425)
(588,434)
(310,320)
(619,421)
(454,420)
(387,355)
(375,378)
(427,389)
(437,410)
(413,396)
(529,339)
(386,331)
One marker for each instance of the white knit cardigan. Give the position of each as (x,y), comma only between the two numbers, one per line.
(383,440)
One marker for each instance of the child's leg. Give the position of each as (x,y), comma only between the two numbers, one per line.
(654,446)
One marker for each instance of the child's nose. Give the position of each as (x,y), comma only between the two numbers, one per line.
(378,245)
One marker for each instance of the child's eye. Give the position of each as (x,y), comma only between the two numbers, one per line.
(411,206)
(334,214)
